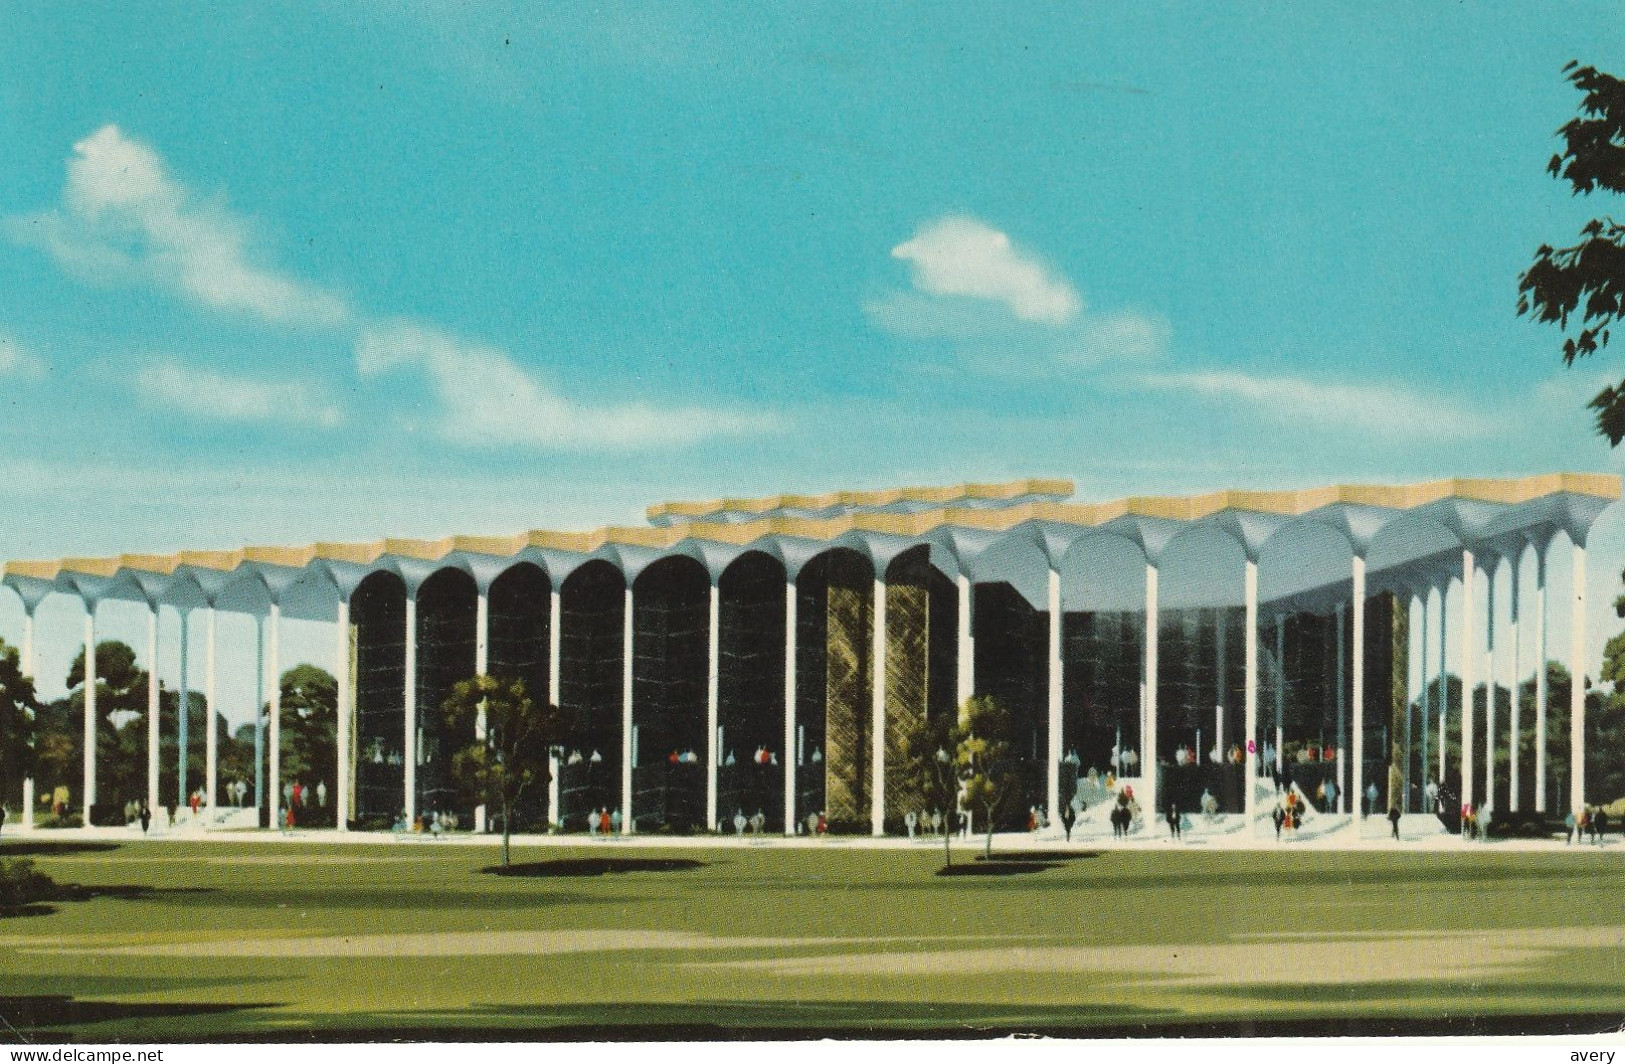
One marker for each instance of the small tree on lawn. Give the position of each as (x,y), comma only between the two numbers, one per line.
(928,745)
(513,754)
(983,758)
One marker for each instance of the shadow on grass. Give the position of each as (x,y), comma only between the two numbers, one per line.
(735,1020)
(65,892)
(48,1011)
(1042,856)
(592,866)
(997,867)
(48,848)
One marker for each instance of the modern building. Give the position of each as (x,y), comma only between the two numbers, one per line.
(766,654)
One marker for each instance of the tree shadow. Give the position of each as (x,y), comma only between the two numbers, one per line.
(592,866)
(123,891)
(1042,856)
(997,867)
(48,848)
(37,1011)
(11,912)
(43,905)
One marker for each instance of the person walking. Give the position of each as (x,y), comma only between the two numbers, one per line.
(1279,816)
(615,822)
(1569,825)
(1173,820)
(1601,822)
(1393,820)
(146,817)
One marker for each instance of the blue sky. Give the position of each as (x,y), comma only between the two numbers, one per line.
(292,272)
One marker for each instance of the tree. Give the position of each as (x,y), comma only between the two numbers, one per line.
(19,714)
(983,757)
(927,743)
(519,733)
(121,716)
(1587,278)
(309,726)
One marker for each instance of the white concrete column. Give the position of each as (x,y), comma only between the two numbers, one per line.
(1577,687)
(482,665)
(211,723)
(1540,678)
(555,630)
(877,704)
(259,723)
(626,716)
(1413,638)
(1357,607)
(966,656)
(1221,694)
(788,757)
(1444,680)
(1053,793)
(28,671)
(1342,712)
(1148,741)
(409,729)
(1250,692)
(273,738)
(1425,698)
(1516,744)
(555,626)
(1280,695)
(152,707)
(28,642)
(713,696)
(1489,684)
(89,790)
(342,668)
(183,722)
(1468,680)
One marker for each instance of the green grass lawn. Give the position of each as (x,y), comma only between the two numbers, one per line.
(176,941)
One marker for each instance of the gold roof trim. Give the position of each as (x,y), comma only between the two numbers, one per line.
(881,497)
(1173,508)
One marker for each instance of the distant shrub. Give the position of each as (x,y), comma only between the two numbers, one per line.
(1524,825)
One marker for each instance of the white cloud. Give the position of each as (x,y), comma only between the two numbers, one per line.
(959,256)
(1375,409)
(209,394)
(1001,310)
(123,219)
(17,360)
(489,400)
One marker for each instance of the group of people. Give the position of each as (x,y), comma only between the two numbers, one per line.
(603,822)
(1288,812)
(434,824)
(139,812)
(1124,813)
(756,824)
(1590,820)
